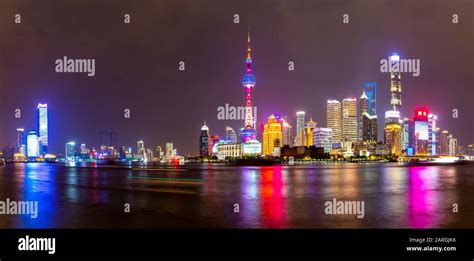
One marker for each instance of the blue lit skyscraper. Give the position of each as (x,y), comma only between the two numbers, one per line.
(43,127)
(70,150)
(20,140)
(370,90)
(32,144)
(367,113)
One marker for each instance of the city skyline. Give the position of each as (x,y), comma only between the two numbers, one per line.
(316,78)
(349,115)
(355,119)
(281,117)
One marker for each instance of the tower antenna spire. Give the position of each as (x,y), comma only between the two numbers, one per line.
(248,34)
(249,50)
(248,82)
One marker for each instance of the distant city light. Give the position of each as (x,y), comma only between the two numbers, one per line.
(395,57)
(351,99)
(446,159)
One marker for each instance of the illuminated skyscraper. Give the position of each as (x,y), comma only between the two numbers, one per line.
(83,149)
(169,150)
(444,143)
(322,137)
(437,137)
(70,151)
(408,136)
(433,135)
(43,127)
(272,135)
(393,137)
(362,108)
(421,131)
(369,127)
(395,82)
(300,139)
(393,121)
(159,152)
(349,120)
(149,155)
(32,144)
(453,146)
(367,113)
(248,82)
(230,135)
(370,90)
(333,119)
(287,138)
(310,126)
(141,148)
(470,150)
(205,142)
(20,140)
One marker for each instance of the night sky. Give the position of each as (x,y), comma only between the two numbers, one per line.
(137,63)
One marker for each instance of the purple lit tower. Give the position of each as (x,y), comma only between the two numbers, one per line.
(248,81)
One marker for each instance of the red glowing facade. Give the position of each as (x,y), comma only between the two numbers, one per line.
(421,131)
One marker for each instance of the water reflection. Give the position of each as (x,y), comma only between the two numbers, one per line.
(272,202)
(38,185)
(424,207)
(341,182)
(250,196)
(269,197)
(72,191)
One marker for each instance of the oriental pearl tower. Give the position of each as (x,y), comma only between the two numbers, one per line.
(248,82)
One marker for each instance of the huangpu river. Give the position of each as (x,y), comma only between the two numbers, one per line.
(219,196)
